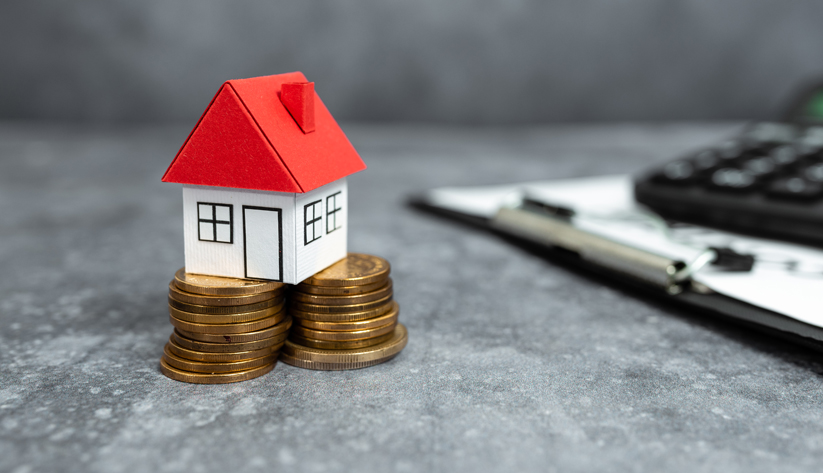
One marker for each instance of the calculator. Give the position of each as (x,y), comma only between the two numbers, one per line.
(768,181)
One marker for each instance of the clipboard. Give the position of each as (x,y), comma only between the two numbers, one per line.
(538,223)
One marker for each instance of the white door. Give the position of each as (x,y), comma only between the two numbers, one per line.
(263,242)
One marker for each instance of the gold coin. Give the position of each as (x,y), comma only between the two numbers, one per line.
(218,378)
(220,286)
(228,338)
(218,367)
(319,359)
(384,291)
(208,347)
(224,329)
(341,309)
(389,317)
(222,301)
(207,357)
(350,317)
(328,366)
(340,336)
(221,310)
(339,290)
(342,345)
(356,269)
(225,318)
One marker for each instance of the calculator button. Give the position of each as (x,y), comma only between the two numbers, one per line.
(812,137)
(814,173)
(808,151)
(760,166)
(735,179)
(796,188)
(732,149)
(705,160)
(678,171)
(784,155)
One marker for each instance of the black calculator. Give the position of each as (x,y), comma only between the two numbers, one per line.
(767,181)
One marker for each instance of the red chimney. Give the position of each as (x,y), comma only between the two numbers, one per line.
(298,97)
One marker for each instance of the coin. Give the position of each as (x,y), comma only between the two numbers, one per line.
(319,359)
(224,329)
(329,366)
(196,355)
(339,290)
(221,286)
(226,338)
(385,319)
(222,367)
(209,347)
(382,292)
(189,298)
(220,310)
(349,317)
(341,345)
(225,318)
(217,378)
(341,309)
(356,269)
(340,336)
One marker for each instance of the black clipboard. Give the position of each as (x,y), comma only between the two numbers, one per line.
(686,293)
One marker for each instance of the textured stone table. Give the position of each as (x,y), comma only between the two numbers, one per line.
(514,363)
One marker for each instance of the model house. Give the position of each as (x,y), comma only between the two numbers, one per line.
(264,188)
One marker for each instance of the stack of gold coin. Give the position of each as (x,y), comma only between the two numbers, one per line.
(345,317)
(225,329)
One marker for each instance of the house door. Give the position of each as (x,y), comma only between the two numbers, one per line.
(263,242)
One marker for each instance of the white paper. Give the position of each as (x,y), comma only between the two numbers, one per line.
(787,278)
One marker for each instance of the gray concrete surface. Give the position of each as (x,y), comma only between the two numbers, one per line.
(461,61)
(514,363)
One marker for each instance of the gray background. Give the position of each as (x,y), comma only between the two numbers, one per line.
(514,363)
(461,61)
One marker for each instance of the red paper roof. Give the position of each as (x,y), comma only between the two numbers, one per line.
(246,139)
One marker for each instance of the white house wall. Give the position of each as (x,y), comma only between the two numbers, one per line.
(299,259)
(224,259)
(331,245)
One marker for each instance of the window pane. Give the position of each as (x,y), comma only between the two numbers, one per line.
(204,212)
(224,232)
(333,202)
(222,213)
(317,227)
(206,231)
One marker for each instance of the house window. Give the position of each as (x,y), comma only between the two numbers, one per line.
(215,222)
(313,218)
(332,208)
